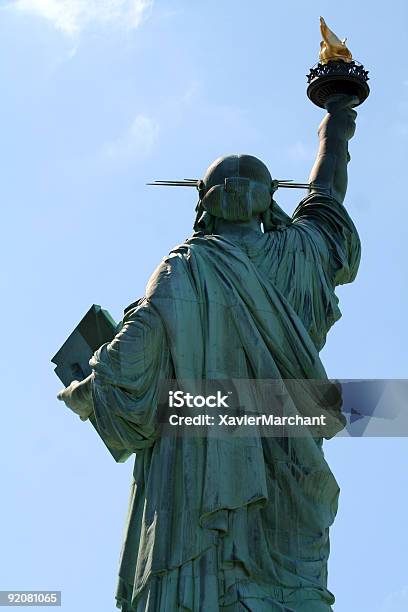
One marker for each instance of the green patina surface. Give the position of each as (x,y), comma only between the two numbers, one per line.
(231,523)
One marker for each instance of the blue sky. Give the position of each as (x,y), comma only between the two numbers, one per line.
(99,97)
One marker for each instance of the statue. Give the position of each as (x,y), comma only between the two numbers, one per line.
(238,523)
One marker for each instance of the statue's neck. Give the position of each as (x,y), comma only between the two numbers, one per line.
(237,229)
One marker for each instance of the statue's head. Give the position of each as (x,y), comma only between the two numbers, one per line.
(236,188)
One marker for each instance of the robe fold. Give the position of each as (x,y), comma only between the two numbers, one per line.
(228,523)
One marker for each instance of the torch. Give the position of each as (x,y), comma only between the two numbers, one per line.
(336,72)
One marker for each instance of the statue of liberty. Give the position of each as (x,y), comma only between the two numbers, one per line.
(241,523)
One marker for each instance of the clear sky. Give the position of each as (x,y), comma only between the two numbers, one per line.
(97,98)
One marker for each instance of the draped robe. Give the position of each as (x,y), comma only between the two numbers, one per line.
(227,523)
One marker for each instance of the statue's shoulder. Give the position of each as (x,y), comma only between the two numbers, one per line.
(180,255)
(172,274)
(177,272)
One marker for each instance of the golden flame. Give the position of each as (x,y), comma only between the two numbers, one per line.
(331,47)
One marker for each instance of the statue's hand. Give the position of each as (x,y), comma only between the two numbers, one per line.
(339,123)
(78,398)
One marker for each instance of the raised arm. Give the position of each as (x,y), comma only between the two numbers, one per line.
(320,249)
(329,172)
